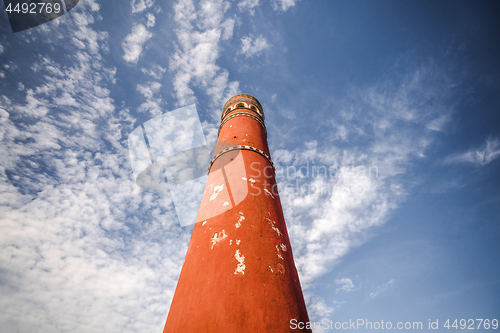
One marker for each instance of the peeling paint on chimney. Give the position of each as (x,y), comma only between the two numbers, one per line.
(240,269)
(269,193)
(217,190)
(216,238)
(238,224)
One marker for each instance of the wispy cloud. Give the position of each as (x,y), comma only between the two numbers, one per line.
(82,245)
(251,47)
(283,5)
(149,88)
(133,43)
(346,285)
(329,210)
(318,308)
(156,71)
(152,104)
(151,20)
(141,5)
(248,4)
(483,155)
(199,32)
(381,289)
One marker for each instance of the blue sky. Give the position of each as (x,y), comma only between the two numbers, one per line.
(397,100)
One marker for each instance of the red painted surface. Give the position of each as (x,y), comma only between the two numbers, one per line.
(239,274)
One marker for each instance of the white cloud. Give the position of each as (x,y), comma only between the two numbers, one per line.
(85,37)
(2,49)
(83,248)
(318,309)
(152,105)
(344,193)
(133,43)
(156,71)
(283,5)
(487,153)
(148,89)
(311,144)
(151,20)
(227,29)
(248,4)
(34,107)
(346,285)
(341,132)
(381,289)
(140,5)
(439,123)
(251,47)
(194,62)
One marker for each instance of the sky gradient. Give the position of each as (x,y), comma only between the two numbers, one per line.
(383,121)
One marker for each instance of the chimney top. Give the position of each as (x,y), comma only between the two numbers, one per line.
(238,97)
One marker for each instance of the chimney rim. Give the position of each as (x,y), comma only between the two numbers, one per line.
(248,96)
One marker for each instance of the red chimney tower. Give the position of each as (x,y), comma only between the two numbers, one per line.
(239,274)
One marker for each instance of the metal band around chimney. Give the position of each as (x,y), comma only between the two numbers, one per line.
(237,114)
(238,147)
